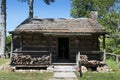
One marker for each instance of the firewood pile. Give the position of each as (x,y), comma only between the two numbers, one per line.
(93,62)
(84,59)
(27,59)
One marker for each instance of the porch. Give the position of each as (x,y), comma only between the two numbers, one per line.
(28,49)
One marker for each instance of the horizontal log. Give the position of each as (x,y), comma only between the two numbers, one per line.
(29,51)
(28,60)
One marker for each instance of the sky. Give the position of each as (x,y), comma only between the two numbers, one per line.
(18,11)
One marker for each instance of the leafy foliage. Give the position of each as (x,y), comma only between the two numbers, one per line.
(109,17)
(111,22)
(8,43)
(46,1)
(82,8)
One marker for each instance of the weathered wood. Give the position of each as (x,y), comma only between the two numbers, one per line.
(116,56)
(104,55)
(33,43)
(78,62)
(11,48)
(29,51)
(28,60)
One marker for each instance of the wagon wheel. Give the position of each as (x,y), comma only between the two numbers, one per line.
(84,69)
(104,68)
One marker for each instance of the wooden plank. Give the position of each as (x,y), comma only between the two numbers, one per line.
(35,65)
(111,54)
(29,51)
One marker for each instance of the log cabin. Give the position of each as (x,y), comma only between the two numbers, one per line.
(60,38)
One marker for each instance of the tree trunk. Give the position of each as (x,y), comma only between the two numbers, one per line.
(3,26)
(31,8)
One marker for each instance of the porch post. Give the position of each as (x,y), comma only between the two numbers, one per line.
(77,42)
(21,43)
(11,48)
(104,49)
(50,48)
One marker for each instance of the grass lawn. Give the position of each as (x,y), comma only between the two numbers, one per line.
(101,76)
(25,76)
(3,61)
(113,75)
(4,75)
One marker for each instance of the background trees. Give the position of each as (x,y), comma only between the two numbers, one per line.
(109,17)
(82,8)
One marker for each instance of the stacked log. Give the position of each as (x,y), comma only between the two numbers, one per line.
(104,68)
(27,59)
(94,62)
(84,59)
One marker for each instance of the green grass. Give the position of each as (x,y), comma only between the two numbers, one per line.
(101,76)
(25,76)
(113,65)
(5,75)
(113,75)
(3,61)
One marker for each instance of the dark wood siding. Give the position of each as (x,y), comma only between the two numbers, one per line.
(87,45)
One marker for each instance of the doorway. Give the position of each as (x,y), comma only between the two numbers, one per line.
(63,48)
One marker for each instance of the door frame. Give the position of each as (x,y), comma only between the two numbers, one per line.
(66,41)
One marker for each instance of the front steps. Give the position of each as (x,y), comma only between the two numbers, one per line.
(64,71)
(65,76)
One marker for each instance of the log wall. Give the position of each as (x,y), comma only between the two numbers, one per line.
(38,42)
(86,45)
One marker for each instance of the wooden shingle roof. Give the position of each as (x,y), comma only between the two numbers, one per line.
(50,25)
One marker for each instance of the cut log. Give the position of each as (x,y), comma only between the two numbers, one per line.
(104,68)
(27,59)
(84,59)
(84,69)
(94,62)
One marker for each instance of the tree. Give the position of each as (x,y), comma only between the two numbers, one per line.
(8,43)
(3,26)
(111,22)
(82,8)
(31,2)
(109,17)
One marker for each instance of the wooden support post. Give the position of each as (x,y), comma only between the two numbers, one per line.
(11,48)
(104,46)
(117,60)
(50,58)
(80,69)
(21,43)
(79,63)
(50,48)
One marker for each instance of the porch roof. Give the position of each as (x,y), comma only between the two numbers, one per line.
(61,25)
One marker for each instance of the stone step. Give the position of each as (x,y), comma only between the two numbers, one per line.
(64,67)
(64,64)
(64,70)
(65,75)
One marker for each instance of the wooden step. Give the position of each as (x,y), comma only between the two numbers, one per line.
(72,64)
